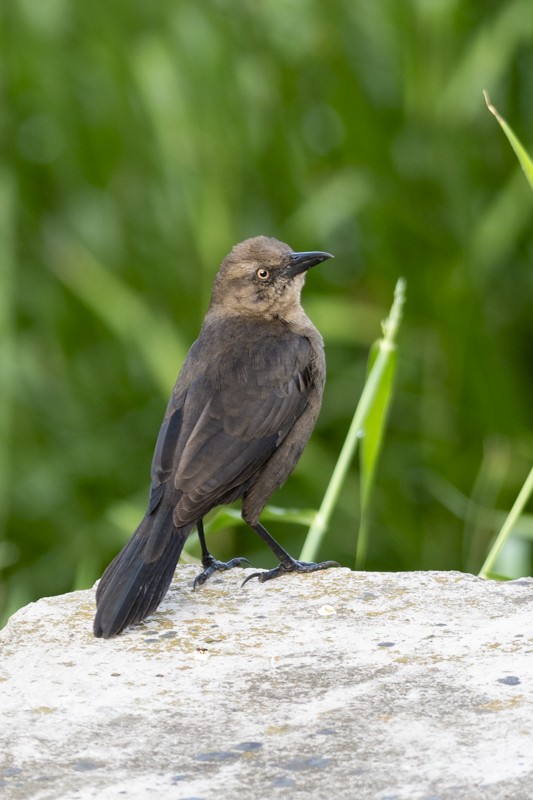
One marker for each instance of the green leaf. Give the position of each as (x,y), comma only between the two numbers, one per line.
(372,440)
(224,517)
(385,349)
(525,161)
(123,311)
(523,496)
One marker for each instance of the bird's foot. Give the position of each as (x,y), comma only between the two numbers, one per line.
(211,565)
(290,566)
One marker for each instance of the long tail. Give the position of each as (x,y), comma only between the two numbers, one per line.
(136,581)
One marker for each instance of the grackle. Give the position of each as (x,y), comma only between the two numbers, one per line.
(240,414)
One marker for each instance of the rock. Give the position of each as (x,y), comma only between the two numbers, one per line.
(329,685)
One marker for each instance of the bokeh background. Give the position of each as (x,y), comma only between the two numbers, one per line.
(141,140)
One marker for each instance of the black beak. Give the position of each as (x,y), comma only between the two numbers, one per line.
(300,262)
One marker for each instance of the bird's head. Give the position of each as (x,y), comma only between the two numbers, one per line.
(263,277)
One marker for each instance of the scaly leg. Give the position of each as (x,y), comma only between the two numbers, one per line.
(209,563)
(286,562)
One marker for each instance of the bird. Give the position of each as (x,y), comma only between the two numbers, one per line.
(241,412)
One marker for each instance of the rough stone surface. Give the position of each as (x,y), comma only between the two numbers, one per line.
(331,685)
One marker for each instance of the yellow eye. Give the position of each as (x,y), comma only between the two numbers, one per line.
(263,274)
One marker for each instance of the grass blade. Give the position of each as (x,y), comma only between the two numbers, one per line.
(155,338)
(386,347)
(504,534)
(521,153)
(371,442)
(7,346)
(523,496)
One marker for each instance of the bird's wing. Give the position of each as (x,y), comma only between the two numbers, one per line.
(230,420)
(165,449)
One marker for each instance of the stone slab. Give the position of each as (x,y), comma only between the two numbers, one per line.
(407,686)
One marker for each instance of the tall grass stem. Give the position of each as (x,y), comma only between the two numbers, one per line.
(503,536)
(386,347)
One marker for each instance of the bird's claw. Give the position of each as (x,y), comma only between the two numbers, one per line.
(290,566)
(212,565)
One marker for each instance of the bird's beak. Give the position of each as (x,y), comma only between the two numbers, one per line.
(301,262)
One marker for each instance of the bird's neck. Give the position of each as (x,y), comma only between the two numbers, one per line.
(293,318)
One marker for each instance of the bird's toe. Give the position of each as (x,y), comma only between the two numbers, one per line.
(212,565)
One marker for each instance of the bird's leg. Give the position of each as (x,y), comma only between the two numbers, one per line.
(286,562)
(209,563)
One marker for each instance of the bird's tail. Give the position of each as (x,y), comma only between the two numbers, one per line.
(136,581)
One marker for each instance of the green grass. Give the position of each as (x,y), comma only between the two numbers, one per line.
(527,489)
(141,141)
(367,426)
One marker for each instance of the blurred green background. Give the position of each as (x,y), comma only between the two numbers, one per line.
(140,141)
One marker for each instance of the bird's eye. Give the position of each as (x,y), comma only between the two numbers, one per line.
(263,274)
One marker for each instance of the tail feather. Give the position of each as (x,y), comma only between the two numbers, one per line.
(133,586)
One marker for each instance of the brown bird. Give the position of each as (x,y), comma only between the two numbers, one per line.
(240,414)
